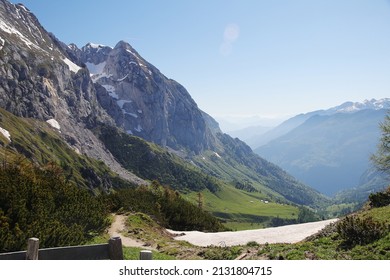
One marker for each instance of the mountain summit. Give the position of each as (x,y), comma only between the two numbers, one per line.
(142,100)
(350,107)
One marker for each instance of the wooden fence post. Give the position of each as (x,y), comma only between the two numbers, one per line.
(145,255)
(115,248)
(32,249)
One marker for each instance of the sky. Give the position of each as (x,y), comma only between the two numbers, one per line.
(243,58)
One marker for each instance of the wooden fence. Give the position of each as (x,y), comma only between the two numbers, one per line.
(108,251)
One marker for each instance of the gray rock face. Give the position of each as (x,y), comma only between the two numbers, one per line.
(153,107)
(38,79)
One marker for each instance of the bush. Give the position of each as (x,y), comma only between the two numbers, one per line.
(380,199)
(166,206)
(360,231)
(38,202)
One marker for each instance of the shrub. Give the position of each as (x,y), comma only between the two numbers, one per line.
(360,231)
(380,199)
(38,202)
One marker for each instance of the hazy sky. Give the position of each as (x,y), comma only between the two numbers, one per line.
(244,57)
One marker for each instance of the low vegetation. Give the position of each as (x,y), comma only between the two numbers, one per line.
(152,162)
(166,206)
(362,241)
(39,202)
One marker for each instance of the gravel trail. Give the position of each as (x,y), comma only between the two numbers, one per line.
(116,229)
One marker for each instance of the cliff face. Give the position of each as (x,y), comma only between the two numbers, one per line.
(152,106)
(38,79)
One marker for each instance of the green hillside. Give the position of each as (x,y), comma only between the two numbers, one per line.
(37,142)
(364,235)
(34,141)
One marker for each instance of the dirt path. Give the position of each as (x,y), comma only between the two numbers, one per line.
(283,234)
(116,229)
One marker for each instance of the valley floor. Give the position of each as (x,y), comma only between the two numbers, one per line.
(283,234)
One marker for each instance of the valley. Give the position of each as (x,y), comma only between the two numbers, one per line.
(97,135)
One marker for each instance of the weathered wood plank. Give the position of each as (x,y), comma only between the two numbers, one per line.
(18,256)
(112,250)
(88,252)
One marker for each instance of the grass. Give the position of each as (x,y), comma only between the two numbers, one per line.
(130,253)
(331,247)
(243,210)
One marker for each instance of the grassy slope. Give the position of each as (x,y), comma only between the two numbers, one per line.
(243,210)
(152,162)
(37,142)
(329,245)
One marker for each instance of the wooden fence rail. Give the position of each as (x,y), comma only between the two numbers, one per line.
(108,251)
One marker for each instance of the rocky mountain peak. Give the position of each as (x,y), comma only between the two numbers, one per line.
(94,53)
(372,104)
(143,101)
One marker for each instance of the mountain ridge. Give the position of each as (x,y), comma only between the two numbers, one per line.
(329,149)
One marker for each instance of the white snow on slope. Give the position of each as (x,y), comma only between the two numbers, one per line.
(72,66)
(351,107)
(5,133)
(95,69)
(111,91)
(122,102)
(11,30)
(2,41)
(54,124)
(283,234)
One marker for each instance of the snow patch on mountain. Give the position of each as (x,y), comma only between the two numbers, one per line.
(72,66)
(131,114)
(138,128)
(96,46)
(13,31)
(111,91)
(2,41)
(54,124)
(5,133)
(351,107)
(122,102)
(95,69)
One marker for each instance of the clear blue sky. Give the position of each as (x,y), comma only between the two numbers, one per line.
(244,57)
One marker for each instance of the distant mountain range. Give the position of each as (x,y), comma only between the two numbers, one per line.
(327,149)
